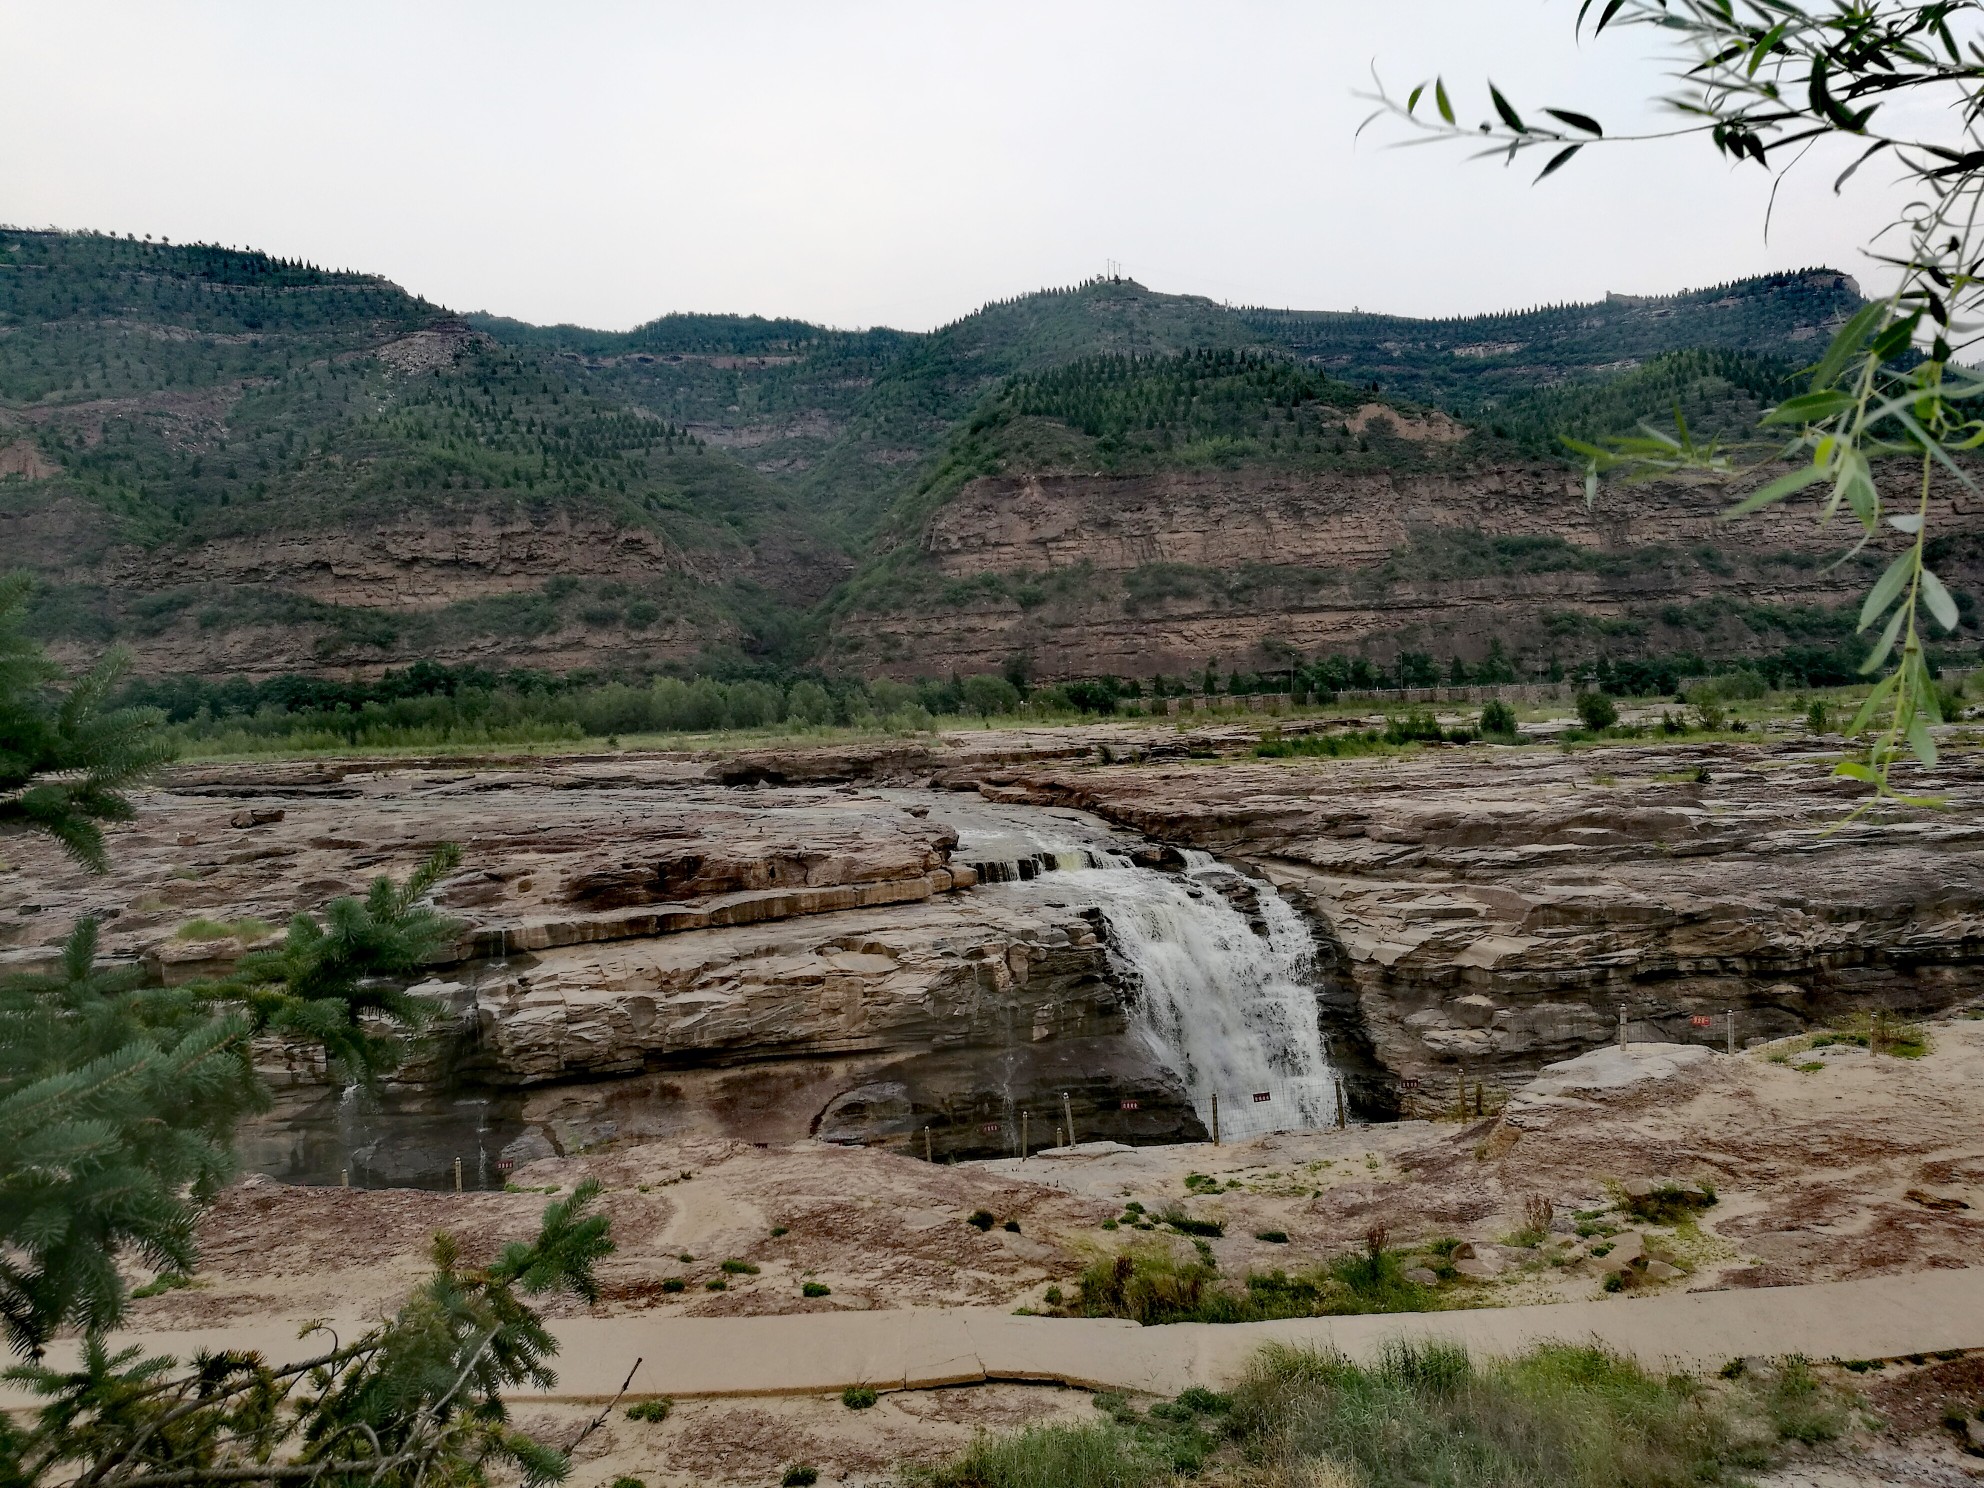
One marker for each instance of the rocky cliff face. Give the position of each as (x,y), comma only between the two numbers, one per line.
(642,954)
(1495,910)
(1133,575)
(262,604)
(647,952)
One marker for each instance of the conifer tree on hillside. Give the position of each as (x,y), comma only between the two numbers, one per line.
(64,760)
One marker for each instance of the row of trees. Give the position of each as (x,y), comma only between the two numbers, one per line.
(118,1109)
(431,704)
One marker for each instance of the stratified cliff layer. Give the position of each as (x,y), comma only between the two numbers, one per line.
(1143,574)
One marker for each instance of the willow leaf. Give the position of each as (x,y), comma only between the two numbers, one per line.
(1886,589)
(1937,598)
(1777,490)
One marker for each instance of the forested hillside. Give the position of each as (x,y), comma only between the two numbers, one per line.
(243,465)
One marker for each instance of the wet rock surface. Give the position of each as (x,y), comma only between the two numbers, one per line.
(1497,909)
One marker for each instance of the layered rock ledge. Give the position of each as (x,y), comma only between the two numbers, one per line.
(1499,908)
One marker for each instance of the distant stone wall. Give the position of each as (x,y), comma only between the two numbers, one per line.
(1281,702)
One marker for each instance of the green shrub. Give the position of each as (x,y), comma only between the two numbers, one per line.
(858,1397)
(799,1475)
(981,1219)
(1104,1455)
(1184,1224)
(816,1289)
(1272,1237)
(1498,720)
(1879,1032)
(1669,1203)
(1149,1284)
(1817,720)
(986,695)
(1596,711)
(673,1284)
(1417,726)
(809,702)
(629,1482)
(1798,1405)
(650,1410)
(736,1267)
(1333,745)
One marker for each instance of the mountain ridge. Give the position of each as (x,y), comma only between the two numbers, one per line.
(235,462)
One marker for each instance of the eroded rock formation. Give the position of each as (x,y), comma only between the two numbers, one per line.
(648,952)
(1497,909)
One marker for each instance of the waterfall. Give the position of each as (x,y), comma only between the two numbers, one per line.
(1224,996)
(1232,1009)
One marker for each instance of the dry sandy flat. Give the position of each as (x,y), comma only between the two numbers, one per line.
(753,1441)
(1864,1166)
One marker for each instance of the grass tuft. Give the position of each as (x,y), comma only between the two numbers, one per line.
(1103,1455)
(244,930)
(1563,1416)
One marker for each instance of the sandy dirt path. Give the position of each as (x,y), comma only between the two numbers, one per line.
(927,1348)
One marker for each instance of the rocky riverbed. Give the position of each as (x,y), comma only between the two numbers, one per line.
(870,943)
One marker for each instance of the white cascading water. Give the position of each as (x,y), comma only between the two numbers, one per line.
(1232,1010)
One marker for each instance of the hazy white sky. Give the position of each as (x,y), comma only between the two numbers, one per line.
(872,163)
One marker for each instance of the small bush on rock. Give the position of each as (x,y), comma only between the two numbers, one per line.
(1596,711)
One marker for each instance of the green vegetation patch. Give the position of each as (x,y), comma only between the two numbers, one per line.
(1561,1416)
(1558,1416)
(244,930)
(1151,1284)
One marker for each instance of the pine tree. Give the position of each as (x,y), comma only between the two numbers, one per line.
(65,760)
